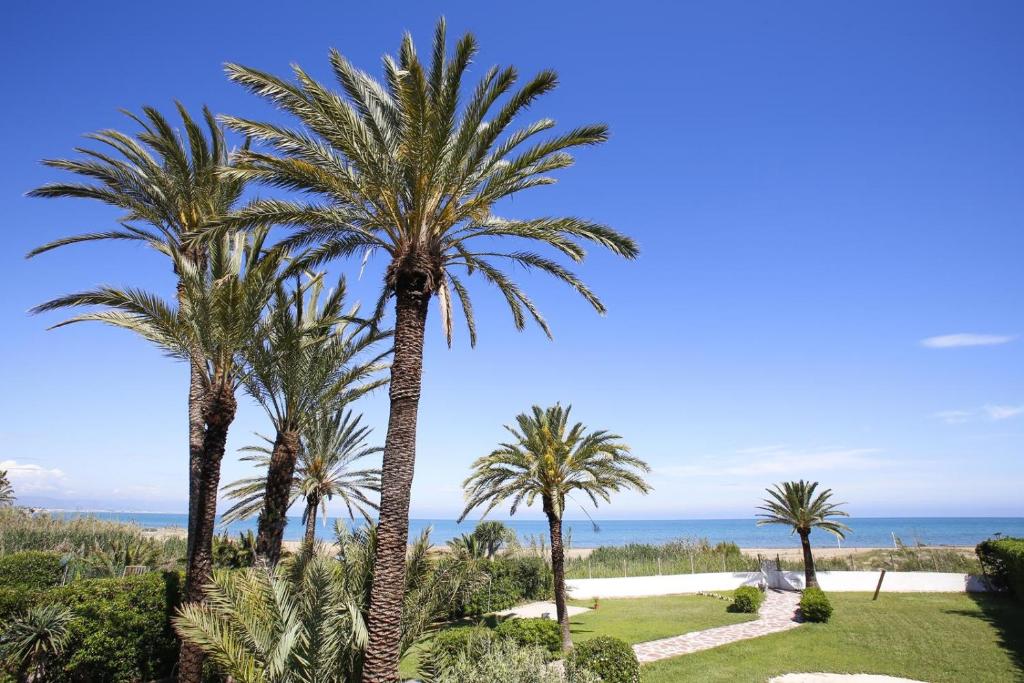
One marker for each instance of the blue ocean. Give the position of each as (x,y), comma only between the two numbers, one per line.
(868,532)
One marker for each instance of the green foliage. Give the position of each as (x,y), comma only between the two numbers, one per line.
(450,645)
(31,641)
(1002,561)
(543,633)
(747,599)
(231,554)
(13,601)
(505,661)
(796,504)
(493,537)
(815,605)
(7,496)
(612,659)
(682,556)
(121,631)
(30,570)
(508,581)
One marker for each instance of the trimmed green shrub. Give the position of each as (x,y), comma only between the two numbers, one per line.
(122,628)
(543,633)
(449,645)
(746,599)
(14,601)
(815,605)
(610,658)
(30,570)
(504,661)
(1002,561)
(511,581)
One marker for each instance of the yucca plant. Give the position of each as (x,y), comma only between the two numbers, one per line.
(331,444)
(169,189)
(311,352)
(549,459)
(7,496)
(30,641)
(794,504)
(416,168)
(222,310)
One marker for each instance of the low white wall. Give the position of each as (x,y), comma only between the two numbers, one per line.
(895,582)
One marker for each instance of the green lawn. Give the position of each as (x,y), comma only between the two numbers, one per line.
(929,637)
(636,620)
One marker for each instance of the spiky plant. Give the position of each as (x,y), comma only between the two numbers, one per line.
(7,496)
(549,459)
(223,306)
(493,536)
(467,546)
(794,504)
(331,444)
(30,641)
(416,168)
(311,353)
(168,187)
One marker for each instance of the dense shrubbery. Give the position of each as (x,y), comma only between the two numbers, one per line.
(121,630)
(450,645)
(1002,560)
(676,557)
(747,599)
(543,633)
(612,659)
(30,570)
(510,581)
(815,605)
(503,660)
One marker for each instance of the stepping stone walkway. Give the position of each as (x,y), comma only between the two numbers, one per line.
(777,613)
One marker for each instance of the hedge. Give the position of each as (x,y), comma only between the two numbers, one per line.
(544,633)
(450,644)
(30,570)
(1002,560)
(511,581)
(815,605)
(747,599)
(610,658)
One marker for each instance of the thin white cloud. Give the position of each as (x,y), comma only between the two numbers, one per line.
(954,417)
(953,341)
(30,478)
(1003,412)
(779,460)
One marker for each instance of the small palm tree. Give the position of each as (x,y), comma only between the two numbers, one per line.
(32,640)
(330,445)
(417,170)
(550,459)
(222,310)
(467,546)
(310,353)
(794,504)
(6,490)
(493,536)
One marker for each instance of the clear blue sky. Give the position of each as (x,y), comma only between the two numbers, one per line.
(817,188)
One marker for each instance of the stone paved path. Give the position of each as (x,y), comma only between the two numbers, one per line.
(777,613)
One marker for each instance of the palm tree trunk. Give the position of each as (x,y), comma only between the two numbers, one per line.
(810,577)
(387,590)
(196,435)
(218,412)
(558,569)
(278,494)
(311,505)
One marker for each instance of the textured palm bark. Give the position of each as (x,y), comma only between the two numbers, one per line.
(218,413)
(387,590)
(810,576)
(311,506)
(273,518)
(196,436)
(558,569)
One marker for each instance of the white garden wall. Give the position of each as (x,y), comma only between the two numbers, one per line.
(895,582)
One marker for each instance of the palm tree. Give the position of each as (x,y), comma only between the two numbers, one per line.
(306,621)
(550,459)
(330,445)
(309,354)
(170,192)
(6,490)
(401,168)
(794,504)
(30,641)
(493,536)
(222,311)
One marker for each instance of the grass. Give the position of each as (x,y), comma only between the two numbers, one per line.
(928,637)
(632,619)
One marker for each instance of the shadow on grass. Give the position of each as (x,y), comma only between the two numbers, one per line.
(1006,615)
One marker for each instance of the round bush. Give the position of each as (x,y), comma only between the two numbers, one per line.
(610,658)
(746,599)
(815,605)
(543,633)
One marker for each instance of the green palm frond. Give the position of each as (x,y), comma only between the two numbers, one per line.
(796,504)
(413,166)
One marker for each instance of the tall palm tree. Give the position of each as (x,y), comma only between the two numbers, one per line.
(402,168)
(330,445)
(310,353)
(7,496)
(30,641)
(170,192)
(794,504)
(549,459)
(222,310)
